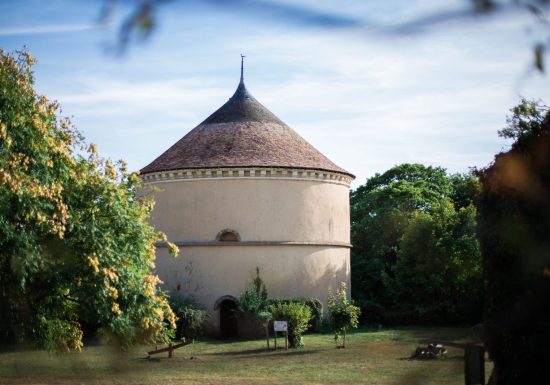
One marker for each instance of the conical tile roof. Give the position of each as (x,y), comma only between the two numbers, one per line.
(242,133)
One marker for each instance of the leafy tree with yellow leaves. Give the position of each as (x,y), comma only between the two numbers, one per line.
(76,250)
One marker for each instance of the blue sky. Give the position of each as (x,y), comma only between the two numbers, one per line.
(363,84)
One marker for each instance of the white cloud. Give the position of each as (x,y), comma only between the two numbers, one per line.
(366,100)
(172,98)
(47,29)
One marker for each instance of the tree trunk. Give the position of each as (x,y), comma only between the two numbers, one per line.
(344,344)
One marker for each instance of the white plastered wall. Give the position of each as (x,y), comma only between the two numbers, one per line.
(209,273)
(312,214)
(258,209)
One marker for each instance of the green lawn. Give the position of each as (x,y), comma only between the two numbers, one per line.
(372,357)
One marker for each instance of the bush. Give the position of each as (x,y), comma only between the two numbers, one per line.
(253,300)
(253,314)
(191,318)
(60,335)
(315,305)
(343,314)
(297,316)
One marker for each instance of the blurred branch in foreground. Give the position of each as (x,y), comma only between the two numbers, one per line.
(141,18)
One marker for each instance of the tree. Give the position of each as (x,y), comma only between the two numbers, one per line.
(76,250)
(413,231)
(343,314)
(380,210)
(437,275)
(514,228)
(526,123)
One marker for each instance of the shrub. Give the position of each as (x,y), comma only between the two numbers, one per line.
(252,309)
(297,316)
(315,305)
(191,318)
(343,314)
(253,300)
(61,336)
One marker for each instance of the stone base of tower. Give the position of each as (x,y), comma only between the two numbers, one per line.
(217,275)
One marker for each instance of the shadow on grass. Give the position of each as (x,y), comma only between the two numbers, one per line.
(415,333)
(454,357)
(263,352)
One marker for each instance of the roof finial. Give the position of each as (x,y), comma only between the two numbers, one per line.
(242,66)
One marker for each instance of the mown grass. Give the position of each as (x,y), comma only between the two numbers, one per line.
(372,357)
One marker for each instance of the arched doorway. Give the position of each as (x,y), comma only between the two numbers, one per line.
(227,307)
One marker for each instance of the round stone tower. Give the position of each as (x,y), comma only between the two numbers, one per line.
(242,191)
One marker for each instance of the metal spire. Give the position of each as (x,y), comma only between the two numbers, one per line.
(242,66)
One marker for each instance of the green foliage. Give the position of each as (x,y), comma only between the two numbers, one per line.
(514,228)
(191,319)
(75,244)
(297,315)
(437,274)
(343,314)
(252,308)
(253,300)
(415,255)
(465,189)
(316,307)
(526,121)
(60,335)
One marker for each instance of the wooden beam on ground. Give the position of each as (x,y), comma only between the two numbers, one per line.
(170,348)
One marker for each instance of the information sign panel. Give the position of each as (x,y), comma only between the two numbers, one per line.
(280,326)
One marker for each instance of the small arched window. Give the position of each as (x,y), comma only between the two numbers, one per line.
(228,235)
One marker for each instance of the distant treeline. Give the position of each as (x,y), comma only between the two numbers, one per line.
(415,256)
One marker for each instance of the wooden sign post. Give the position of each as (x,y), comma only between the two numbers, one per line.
(267,334)
(280,326)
